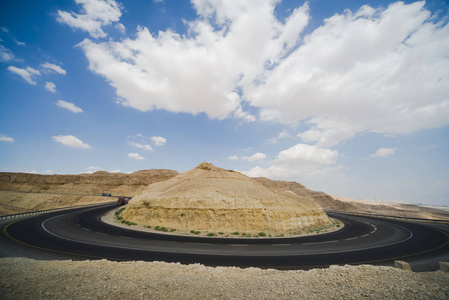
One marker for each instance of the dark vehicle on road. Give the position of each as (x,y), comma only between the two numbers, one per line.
(123,200)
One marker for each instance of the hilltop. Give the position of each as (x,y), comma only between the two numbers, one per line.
(213,199)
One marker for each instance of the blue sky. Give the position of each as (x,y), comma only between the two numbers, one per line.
(346,97)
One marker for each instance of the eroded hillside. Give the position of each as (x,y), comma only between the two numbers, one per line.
(22,192)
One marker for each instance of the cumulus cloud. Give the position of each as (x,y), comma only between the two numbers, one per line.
(233,157)
(50,86)
(68,105)
(382,71)
(301,160)
(141,146)
(26,74)
(255,157)
(135,156)
(199,72)
(373,70)
(52,68)
(71,141)
(158,140)
(95,15)
(5,138)
(384,152)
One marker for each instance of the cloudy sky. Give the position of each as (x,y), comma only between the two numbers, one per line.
(347,97)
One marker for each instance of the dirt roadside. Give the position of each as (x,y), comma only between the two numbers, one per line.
(22,278)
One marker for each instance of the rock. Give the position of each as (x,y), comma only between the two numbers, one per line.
(402,265)
(444,266)
(213,199)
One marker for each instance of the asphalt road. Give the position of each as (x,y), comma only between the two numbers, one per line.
(80,234)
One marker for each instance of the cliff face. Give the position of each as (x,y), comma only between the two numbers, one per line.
(84,184)
(213,199)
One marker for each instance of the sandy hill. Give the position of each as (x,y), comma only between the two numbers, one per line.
(214,199)
(22,192)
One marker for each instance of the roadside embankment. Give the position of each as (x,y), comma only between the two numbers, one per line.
(22,278)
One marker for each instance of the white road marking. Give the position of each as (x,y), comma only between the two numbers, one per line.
(238,245)
(328,242)
(365,235)
(85,229)
(352,238)
(101,233)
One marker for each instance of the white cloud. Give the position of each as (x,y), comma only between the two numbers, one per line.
(233,157)
(5,54)
(302,154)
(255,157)
(68,105)
(4,138)
(298,162)
(382,71)
(373,70)
(199,72)
(135,156)
(141,146)
(18,42)
(282,135)
(96,14)
(26,74)
(93,169)
(50,86)
(120,27)
(49,172)
(384,152)
(52,68)
(158,140)
(115,171)
(71,141)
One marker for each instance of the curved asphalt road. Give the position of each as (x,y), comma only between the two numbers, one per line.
(363,240)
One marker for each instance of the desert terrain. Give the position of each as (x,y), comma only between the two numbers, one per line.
(23,278)
(22,192)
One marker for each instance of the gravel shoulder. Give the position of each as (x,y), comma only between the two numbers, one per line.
(22,278)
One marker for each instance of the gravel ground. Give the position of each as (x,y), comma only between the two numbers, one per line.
(22,278)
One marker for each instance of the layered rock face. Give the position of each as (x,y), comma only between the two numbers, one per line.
(214,199)
(117,184)
(22,192)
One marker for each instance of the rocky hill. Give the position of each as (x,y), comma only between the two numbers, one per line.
(214,199)
(84,184)
(22,192)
